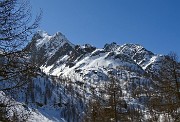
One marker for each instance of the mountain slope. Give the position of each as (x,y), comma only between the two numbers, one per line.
(72,78)
(59,56)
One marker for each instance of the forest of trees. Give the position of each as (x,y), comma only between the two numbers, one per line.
(162,100)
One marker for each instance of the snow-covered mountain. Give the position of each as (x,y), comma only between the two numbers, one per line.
(72,76)
(57,56)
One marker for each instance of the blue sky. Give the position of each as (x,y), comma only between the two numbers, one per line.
(155,24)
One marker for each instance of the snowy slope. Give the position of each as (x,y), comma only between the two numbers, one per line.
(70,72)
(61,59)
(43,99)
(91,67)
(23,112)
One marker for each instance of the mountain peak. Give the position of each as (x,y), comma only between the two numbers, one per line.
(42,33)
(51,41)
(59,35)
(132,46)
(111,47)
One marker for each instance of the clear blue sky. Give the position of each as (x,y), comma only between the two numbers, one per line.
(155,24)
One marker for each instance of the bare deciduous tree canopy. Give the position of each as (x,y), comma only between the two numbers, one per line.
(16,26)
